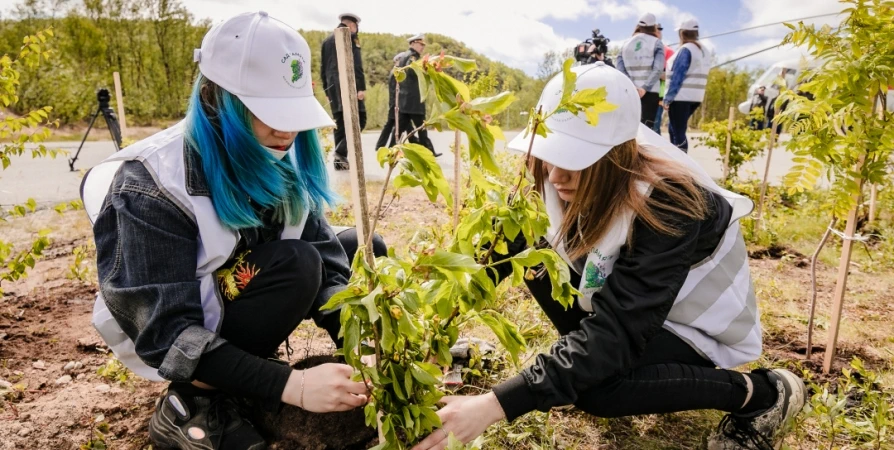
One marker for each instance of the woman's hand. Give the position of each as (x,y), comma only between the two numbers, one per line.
(464,416)
(327,388)
(641,92)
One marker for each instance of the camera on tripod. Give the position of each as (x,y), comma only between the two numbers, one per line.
(593,49)
(103,97)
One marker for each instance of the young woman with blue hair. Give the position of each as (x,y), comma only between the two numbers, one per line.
(212,246)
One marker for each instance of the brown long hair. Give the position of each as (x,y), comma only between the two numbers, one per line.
(653,30)
(687,36)
(608,189)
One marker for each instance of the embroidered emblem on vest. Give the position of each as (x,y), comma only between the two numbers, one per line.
(235,279)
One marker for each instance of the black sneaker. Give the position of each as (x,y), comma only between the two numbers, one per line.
(763,430)
(341,163)
(201,423)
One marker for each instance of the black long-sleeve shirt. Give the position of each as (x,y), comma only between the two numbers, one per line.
(630,309)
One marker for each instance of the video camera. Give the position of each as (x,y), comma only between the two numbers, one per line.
(589,51)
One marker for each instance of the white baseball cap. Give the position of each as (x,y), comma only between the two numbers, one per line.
(574,144)
(350,16)
(265,63)
(418,37)
(647,20)
(689,25)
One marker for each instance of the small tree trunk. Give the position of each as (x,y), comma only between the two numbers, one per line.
(729,142)
(841,283)
(873,196)
(760,202)
(350,109)
(457,176)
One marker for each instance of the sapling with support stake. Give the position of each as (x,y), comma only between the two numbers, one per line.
(838,130)
(408,308)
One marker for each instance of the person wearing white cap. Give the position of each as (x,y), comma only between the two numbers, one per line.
(642,59)
(212,245)
(656,248)
(411,104)
(689,68)
(332,86)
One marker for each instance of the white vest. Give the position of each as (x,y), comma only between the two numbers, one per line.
(693,88)
(162,155)
(639,55)
(715,311)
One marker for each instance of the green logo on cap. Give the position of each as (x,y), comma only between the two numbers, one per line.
(297,70)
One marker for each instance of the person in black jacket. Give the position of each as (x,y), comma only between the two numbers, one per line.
(758,100)
(656,249)
(329,73)
(387,135)
(411,104)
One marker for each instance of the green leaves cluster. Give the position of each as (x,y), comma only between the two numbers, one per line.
(843,132)
(17,132)
(408,310)
(745,143)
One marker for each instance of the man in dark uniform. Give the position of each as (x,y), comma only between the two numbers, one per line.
(387,135)
(410,101)
(329,73)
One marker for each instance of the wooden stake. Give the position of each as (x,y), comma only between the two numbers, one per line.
(119,100)
(841,283)
(350,110)
(760,203)
(729,141)
(457,176)
(873,196)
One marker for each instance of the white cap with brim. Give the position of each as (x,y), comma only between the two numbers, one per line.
(574,144)
(688,25)
(647,20)
(418,37)
(350,16)
(265,63)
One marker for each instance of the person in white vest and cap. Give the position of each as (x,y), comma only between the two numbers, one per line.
(668,308)
(212,247)
(642,59)
(689,68)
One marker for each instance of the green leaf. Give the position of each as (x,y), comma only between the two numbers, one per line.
(505,331)
(369,302)
(448,261)
(422,166)
(569,80)
(422,376)
(494,105)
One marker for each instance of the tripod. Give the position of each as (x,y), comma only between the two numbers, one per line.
(103,96)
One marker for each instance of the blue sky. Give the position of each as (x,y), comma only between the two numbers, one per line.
(519,32)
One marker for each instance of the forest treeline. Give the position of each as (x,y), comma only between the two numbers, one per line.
(150,43)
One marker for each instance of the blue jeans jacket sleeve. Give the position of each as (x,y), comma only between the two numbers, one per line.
(151,289)
(681,66)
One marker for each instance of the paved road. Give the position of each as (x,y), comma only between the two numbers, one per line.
(50,181)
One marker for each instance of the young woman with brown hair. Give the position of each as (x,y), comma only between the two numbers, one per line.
(642,59)
(688,74)
(655,248)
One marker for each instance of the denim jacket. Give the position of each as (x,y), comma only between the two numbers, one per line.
(146,250)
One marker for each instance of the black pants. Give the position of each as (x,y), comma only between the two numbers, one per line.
(409,122)
(282,293)
(649,103)
(341,146)
(678,115)
(387,135)
(670,376)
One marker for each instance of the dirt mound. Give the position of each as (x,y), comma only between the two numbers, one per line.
(295,428)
